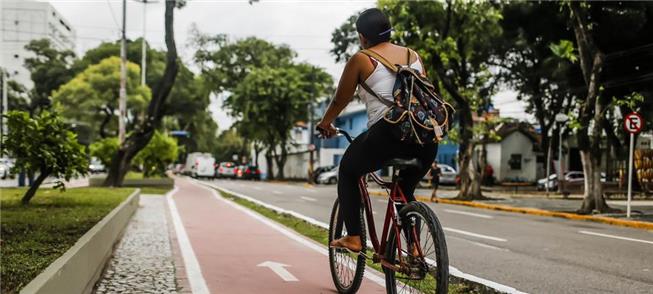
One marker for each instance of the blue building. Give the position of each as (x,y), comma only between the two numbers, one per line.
(354,120)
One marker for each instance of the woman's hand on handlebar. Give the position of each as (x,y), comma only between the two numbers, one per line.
(326,129)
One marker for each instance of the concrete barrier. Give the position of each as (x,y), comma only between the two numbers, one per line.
(77,270)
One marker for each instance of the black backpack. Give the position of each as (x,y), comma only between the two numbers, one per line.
(420,114)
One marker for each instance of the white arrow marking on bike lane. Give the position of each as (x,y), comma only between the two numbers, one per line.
(278,268)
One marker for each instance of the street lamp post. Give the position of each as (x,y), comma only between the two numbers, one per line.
(561,119)
(143,43)
(122,102)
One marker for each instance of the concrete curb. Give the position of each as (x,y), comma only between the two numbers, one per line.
(77,270)
(535,211)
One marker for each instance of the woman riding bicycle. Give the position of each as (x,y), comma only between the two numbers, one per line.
(381,142)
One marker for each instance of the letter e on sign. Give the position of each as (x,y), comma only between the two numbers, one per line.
(633,123)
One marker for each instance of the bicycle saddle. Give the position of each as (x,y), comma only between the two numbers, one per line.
(402,163)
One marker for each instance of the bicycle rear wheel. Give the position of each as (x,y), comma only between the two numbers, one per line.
(346,268)
(429,274)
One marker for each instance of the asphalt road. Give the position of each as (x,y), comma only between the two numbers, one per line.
(530,253)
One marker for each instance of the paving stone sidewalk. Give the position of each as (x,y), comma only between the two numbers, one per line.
(142,262)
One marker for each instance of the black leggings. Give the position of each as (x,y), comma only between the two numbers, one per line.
(366,154)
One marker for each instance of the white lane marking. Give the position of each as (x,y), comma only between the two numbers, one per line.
(468,213)
(258,188)
(474,234)
(615,237)
(308,198)
(479,244)
(280,270)
(312,190)
(193,271)
(376,276)
(382,200)
(370,273)
(277,192)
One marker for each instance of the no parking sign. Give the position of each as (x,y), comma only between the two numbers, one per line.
(633,124)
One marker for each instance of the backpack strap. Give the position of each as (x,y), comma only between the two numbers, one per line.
(369,90)
(407,57)
(393,68)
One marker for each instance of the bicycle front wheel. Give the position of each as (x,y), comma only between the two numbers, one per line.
(346,268)
(427,272)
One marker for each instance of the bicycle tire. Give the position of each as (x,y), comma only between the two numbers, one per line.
(441,276)
(336,230)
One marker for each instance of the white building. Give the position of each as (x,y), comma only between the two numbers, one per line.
(514,157)
(26,20)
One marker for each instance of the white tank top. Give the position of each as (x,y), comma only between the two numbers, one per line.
(381,81)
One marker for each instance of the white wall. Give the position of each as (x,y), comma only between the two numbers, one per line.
(517,143)
(327,155)
(494,158)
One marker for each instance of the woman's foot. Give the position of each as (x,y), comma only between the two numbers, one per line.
(352,243)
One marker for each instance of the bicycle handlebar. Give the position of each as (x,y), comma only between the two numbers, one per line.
(340,132)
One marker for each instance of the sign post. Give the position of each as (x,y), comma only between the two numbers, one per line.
(633,124)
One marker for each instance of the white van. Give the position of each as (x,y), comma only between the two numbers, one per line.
(200,165)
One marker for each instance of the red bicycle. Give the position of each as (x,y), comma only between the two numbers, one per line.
(412,250)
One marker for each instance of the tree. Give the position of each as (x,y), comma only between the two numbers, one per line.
(274,99)
(157,155)
(144,131)
(44,144)
(269,91)
(49,68)
(228,143)
(92,96)
(530,65)
(104,149)
(186,106)
(455,41)
(593,26)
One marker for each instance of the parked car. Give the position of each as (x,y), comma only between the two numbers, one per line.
(249,172)
(329,177)
(226,169)
(95,166)
(322,169)
(4,171)
(6,165)
(571,177)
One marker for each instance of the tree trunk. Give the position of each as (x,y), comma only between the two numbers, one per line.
(281,163)
(269,164)
(35,186)
(139,138)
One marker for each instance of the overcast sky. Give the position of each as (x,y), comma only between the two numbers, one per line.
(305,25)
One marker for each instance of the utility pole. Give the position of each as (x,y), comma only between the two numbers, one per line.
(122,102)
(143,44)
(3,129)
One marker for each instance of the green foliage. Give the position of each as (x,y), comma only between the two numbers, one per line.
(49,67)
(186,106)
(104,149)
(91,98)
(275,98)
(225,64)
(157,155)
(34,236)
(45,144)
(345,40)
(565,50)
(228,143)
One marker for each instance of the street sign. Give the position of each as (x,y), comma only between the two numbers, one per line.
(633,123)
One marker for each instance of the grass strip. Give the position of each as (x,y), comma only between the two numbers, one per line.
(321,235)
(154,190)
(34,236)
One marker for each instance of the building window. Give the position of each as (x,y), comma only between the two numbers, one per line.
(515,161)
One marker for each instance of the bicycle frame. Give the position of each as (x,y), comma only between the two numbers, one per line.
(391,221)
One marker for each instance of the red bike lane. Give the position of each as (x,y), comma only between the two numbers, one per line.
(238,251)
